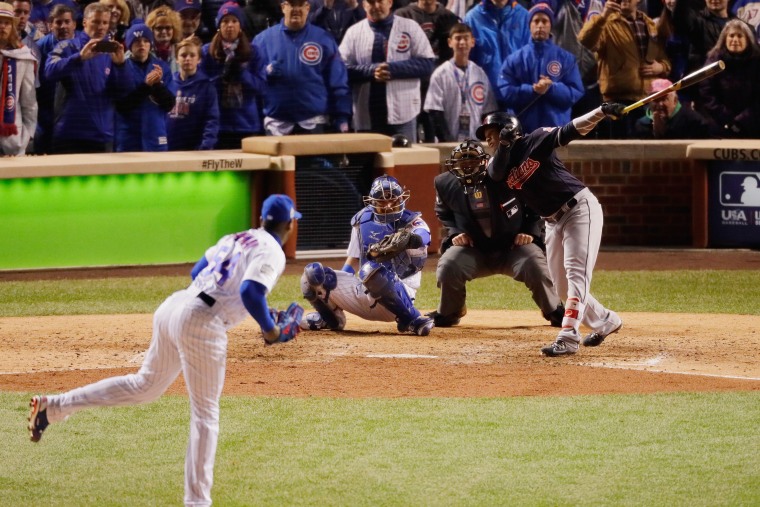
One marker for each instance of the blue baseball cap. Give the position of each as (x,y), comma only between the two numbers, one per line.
(181,5)
(279,208)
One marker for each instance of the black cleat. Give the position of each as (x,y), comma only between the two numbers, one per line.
(38,420)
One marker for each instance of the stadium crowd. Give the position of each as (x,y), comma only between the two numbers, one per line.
(157,75)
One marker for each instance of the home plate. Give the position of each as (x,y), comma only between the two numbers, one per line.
(403,356)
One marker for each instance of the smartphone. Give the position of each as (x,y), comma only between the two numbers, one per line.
(106,46)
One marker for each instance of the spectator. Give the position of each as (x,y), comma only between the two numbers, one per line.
(700,25)
(676,46)
(141,115)
(629,58)
(230,60)
(193,123)
(89,81)
(459,92)
(307,84)
(386,57)
(730,98)
(540,81)
(488,232)
(190,15)
(40,15)
(17,65)
(336,16)
(62,25)
(120,17)
(436,21)
(210,9)
(166,26)
(749,12)
(666,118)
(26,31)
(141,8)
(260,15)
(500,28)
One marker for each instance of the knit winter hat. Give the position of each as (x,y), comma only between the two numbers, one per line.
(230,9)
(542,7)
(136,31)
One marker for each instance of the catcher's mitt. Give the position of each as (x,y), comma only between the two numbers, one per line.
(393,244)
(288,321)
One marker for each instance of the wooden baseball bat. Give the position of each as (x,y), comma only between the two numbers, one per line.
(693,78)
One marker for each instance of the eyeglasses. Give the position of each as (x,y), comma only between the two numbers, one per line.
(163,29)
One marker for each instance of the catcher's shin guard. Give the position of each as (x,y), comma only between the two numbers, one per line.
(383,285)
(316,283)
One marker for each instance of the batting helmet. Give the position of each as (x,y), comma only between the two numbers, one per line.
(468,163)
(400,141)
(498,120)
(387,198)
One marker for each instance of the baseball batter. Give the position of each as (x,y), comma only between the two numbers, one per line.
(573,215)
(385,288)
(231,281)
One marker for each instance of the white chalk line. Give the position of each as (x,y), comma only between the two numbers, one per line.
(403,356)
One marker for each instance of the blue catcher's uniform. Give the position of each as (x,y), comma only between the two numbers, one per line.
(382,291)
(370,231)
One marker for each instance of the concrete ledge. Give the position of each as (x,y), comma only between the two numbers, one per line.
(131,163)
(735,149)
(321,144)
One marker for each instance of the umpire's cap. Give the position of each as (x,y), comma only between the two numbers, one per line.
(279,208)
(498,119)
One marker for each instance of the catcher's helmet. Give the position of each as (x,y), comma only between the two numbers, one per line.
(468,163)
(400,141)
(499,120)
(387,198)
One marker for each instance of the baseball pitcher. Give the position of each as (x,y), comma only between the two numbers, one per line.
(231,281)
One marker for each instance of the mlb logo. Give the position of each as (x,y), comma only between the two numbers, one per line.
(739,189)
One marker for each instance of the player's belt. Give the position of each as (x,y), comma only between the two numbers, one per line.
(206,298)
(556,217)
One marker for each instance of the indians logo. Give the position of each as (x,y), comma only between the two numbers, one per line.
(478,93)
(404,43)
(554,68)
(311,53)
(518,177)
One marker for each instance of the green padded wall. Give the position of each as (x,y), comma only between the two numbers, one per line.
(125,219)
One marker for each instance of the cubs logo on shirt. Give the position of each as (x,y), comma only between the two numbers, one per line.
(554,68)
(478,93)
(311,53)
(404,43)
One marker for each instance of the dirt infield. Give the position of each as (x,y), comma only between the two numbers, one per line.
(492,353)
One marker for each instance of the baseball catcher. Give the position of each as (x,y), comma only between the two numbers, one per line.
(381,275)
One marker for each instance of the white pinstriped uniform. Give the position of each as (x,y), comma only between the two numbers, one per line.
(444,94)
(350,294)
(191,337)
(406,40)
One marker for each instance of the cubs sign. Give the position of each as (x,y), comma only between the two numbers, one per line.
(311,53)
(478,93)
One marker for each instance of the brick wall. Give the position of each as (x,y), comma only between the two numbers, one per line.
(645,202)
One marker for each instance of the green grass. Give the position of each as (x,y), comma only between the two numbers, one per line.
(670,449)
(735,292)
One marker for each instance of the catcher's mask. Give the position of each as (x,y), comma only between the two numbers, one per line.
(468,163)
(498,120)
(387,199)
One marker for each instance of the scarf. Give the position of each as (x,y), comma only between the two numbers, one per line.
(8,98)
(232,91)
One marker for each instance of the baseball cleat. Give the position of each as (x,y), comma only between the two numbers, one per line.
(595,339)
(422,325)
(560,348)
(38,420)
(443,320)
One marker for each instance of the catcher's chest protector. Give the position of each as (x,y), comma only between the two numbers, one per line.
(372,232)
